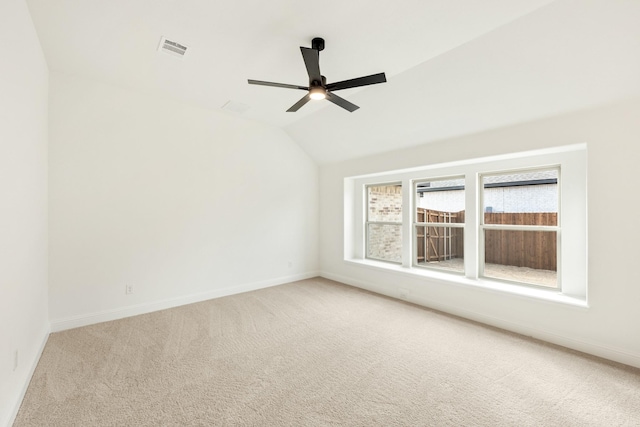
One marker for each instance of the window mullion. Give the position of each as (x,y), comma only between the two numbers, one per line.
(407,221)
(472,230)
(515,227)
(439,224)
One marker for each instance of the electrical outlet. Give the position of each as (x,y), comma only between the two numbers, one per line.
(129,289)
(15,360)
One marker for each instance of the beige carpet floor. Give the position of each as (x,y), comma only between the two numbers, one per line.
(318,353)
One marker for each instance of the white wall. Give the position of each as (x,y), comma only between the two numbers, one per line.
(610,327)
(180,202)
(23,203)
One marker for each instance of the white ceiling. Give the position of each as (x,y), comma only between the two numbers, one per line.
(453,66)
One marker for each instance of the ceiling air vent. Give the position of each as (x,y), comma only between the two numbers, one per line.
(235,107)
(172,48)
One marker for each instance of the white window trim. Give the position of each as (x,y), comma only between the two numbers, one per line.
(572,256)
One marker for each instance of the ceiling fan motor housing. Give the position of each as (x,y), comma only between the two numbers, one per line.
(322,83)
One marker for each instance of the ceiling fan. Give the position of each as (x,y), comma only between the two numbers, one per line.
(318,87)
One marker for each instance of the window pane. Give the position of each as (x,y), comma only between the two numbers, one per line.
(521,256)
(440,195)
(384,203)
(525,198)
(441,247)
(384,241)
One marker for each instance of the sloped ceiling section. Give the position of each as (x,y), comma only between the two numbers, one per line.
(567,56)
(453,67)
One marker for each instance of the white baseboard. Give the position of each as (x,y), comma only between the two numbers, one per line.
(595,349)
(58,325)
(27,381)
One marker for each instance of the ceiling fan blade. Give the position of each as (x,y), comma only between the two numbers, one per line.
(260,82)
(295,107)
(312,62)
(360,81)
(341,102)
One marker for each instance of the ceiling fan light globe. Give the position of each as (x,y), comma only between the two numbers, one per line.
(317,93)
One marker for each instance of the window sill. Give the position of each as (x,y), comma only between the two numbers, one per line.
(481,283)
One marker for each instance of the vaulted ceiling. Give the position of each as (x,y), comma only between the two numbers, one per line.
(453,67)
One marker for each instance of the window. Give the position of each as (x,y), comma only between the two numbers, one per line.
(520,226)
(439,224)
(515,223)
(384,222)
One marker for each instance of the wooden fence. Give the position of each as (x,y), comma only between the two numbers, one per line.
(533,249)
(439,243)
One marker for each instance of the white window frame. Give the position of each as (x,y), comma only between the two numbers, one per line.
(368,222)
(511,227)
(443,225)
(572,252)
